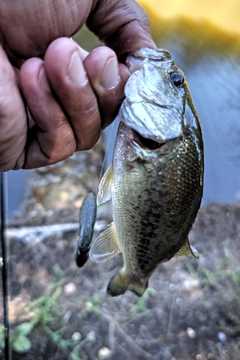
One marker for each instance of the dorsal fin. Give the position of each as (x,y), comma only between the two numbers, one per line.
(106,245)
(187,250)
(105,186)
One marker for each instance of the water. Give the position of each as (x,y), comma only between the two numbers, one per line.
(215,87)
(17,181)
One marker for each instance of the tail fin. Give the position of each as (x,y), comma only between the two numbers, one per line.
(120,282)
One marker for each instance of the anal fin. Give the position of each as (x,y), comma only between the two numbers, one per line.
(106,245)
(187,250)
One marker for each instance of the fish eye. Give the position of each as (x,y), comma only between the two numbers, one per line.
(177,79)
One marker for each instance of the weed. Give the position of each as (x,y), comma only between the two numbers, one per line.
(141,304)
(222,269)
(44,311)
(93,304)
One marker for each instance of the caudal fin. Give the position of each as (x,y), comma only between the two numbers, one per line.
(120,282)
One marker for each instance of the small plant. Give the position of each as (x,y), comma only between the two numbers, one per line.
(222,269)
(44,311)
(46,314)
(93,304)
(236,276)
(141,303)
(18,338)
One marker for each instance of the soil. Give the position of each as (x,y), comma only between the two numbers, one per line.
(190,310)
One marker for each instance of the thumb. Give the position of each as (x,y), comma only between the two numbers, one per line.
(121,25)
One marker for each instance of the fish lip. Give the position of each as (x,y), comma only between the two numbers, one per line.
(159,57)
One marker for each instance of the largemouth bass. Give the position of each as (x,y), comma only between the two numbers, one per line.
(155,181)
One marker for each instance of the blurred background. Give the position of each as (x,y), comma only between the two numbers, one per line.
(191,309)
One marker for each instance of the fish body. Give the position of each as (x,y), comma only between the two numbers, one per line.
(155,181)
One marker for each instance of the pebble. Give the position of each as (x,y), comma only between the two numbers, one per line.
(210,356)
(104,353)
(70,288)
(222,337)
(172,287)
(191,333)
(76,336)
(91,337)
(67,316)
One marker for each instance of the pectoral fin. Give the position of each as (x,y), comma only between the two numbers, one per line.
(106,245)
(187,250)
(105,187)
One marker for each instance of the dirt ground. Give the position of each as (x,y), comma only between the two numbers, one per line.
(189,312)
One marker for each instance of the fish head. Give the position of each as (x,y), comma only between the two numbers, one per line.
(157,97)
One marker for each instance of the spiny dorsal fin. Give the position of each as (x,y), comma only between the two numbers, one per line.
(106,245)
(187,250)
(105,186)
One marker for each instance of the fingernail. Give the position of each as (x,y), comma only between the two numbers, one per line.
(76,71)
(42,79)
(110,76)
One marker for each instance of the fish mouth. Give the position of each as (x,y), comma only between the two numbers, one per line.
(144,142)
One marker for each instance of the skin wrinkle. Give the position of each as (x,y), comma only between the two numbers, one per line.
(51,28)
(31,32)
(44,132)
(81,142)
(107,96)
(108,33)
(47,153)
(89,109)
(8,81)
(113,15)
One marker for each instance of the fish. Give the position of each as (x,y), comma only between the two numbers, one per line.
(155,180)
(87,218)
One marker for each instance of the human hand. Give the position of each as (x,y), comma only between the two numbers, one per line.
(55,97)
